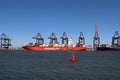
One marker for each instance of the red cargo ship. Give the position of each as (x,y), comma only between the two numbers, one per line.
(44,48)
(54,44)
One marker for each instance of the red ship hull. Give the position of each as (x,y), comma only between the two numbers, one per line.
(45,48)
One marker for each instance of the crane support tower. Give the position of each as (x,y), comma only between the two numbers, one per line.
(81,40)
(116,39)
(39,39)
(5,41)
(64,39)
(96,39)
(53,39)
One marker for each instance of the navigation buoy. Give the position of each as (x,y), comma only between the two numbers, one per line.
(73,58)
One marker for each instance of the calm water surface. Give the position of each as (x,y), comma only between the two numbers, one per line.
(56,65)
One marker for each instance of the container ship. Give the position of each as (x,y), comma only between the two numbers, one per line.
(108,49)
(115,44)
(66,44)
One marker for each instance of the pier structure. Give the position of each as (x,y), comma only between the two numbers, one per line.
(5,41)
(53,39)
(64,39)
(96,38)
(116,39)
(81,40)
(39,39)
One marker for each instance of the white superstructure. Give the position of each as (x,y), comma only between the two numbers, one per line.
(70,42)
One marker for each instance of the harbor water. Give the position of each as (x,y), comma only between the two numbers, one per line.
(56,65)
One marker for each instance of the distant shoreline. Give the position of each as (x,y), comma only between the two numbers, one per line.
(12,48)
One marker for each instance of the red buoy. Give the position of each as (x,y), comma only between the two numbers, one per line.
(73,58)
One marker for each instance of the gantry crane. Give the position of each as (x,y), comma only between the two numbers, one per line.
(39,39)
(96,39)
(5,41)
(64,39)
(116,39)
(81,40)
(53,39)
